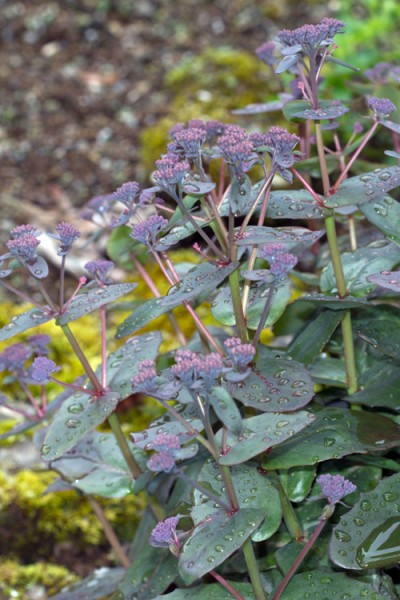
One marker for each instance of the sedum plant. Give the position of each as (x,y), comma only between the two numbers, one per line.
(271,471)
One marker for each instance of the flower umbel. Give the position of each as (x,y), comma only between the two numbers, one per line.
(335,487)
(67,234)
(382,107)
(100,269)
(165,535)
(42,368)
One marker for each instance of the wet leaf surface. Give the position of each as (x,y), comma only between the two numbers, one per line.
(366,187)
(316,585)
(334,433)
(368,536)
(24,322)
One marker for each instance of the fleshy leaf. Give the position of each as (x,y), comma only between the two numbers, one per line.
(291,236)
(198,188)
(96,466)
(226,410)
(122,364)
(381,329)
(239,194)
(23,322)
(213,591)
(213,541)
(202,279)
(282,291)
(102,582)
(313,338)
(386,279)
(333,302)
(39,268)
(301,109)
(384,213)
(365,188)
(366,538)
(260,433)
(358,265)
(335,432)
(275,385)
(329,585)
(152,569)
(90,300)
(297,482)
(380,387)
(78,416)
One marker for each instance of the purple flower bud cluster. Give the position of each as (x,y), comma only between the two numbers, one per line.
(23,247)
(335,487)
(171,172)
(266,53)
(280,261)
(145,380)
(126,194)
(23,230)
(309,38)
(382,107)
(146,231)
(42,368)
(67,234)
(196,371)
(210,129)
(237,149)
(98,207)
(165,535)
(14,357)
(282,144)
(240,354)
(38,342)
(383,73)
(258,139)
(188,142)
(166,446)
(99,269)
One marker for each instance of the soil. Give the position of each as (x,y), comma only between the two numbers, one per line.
(80,79)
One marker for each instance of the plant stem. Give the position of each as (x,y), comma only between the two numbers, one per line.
(305,550)
(263,318)
(62,281)
(226,585)
(289,516)
(349,355)
(82,358)
(204,491)
(235,288)
(109,532)
(12,289)
(123,444)
(254,573)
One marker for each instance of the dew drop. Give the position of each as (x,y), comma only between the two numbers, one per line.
(384,176)
(72,423)
(219,548)
(75,409)
(390,496)
(380,210)
(45,449)
(342,536)
(359,522)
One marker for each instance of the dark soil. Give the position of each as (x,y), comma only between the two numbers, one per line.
(80,79)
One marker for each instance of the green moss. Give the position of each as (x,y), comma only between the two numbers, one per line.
(206,86)
(54,518)
(16,579)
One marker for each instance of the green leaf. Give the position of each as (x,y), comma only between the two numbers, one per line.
(213,591)
(77,416)
(96,466)
(368,536)
(260,433)
(276,384)
(225,409)
(298,482)
(152,569)
(333,302)
(213,541)
(381,329)
(102,582)
(291,236)
(334,433)
(384,213)
(90,300)
(282,292)
(358,265)
(329,371)
(387,279)
(329,585)
(380,387)
(201,279)
(239,194)
(253,489)
(122,364)
(364,188)
(25,321)
(301,109)
(312,339)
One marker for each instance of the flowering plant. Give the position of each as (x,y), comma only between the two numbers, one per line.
(247,466)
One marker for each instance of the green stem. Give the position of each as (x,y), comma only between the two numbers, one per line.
(123,444)
(226,585)
(82,358)
(236,299)
(109,532)
(289,516)
(349,355)
(254,572)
